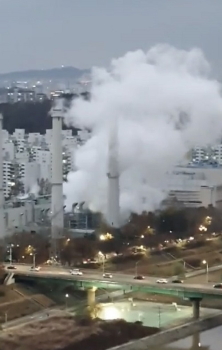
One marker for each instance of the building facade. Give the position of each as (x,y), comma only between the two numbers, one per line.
(195,186)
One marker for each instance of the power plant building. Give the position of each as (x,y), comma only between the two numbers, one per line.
(196,186)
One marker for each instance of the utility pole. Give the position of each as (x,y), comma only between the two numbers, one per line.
(34,260)
(103,264)
(136,269)
(6,317)
(10,253)
(159,314)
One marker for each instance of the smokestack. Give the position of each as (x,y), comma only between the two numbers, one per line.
(57,218)
(113,209)
(2,213)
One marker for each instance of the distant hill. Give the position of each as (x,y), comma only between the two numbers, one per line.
(61,73)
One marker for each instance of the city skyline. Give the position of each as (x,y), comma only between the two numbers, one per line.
(41,35)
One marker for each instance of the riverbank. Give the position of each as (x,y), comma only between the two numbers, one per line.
(172,335)
(65,333)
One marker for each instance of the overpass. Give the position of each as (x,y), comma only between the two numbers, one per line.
(91,282)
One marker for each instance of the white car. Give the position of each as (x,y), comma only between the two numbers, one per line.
(33,268)
(76,272)
(162,281)
(107,275)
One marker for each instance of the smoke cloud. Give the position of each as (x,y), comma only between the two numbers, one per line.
(164,103)
(33,191)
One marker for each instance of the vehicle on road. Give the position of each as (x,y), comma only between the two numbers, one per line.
(12,268)
(107,275)
(76,272)
(218,285)
(139,277)
(177,281)
(35,268)
(162,281)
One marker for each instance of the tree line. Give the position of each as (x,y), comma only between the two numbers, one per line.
(148,229)
(174,223)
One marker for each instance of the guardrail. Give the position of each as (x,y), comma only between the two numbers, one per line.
(135,286)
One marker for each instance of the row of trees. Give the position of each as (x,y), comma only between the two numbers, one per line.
(148,229)
(177,222)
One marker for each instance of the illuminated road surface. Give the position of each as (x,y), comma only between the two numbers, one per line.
(48,271)
(87,274)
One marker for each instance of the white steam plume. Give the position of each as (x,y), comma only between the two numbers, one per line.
(164,103)
(34,191)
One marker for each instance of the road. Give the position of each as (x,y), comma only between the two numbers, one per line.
(118,278)
(60,270)
(95,274)
(37,316)
(203,271)
(50,271)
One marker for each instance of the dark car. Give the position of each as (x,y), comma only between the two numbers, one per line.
(139,277)
(11,268)
(177,281)
(218,285)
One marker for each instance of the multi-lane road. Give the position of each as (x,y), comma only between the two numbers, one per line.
(64,273)
(52,271)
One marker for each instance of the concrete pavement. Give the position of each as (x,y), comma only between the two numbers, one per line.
(37,316)
(203,271)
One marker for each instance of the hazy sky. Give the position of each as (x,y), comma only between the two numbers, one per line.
(82,33)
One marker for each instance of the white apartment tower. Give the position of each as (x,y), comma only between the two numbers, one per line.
(2,217)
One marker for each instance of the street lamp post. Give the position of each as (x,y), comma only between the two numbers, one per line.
(67,295)
(159,316)
(33,254)
(6,317)
(136,269)
(207,270)
(103,264)
(103,261)
(10,253)
(34,260)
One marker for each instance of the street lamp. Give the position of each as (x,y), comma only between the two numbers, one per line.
(6,317)
(67,295)
(34,260)
(207,269)
(10,253)
(33,254)
(102,237)
(136,269)
(103,260)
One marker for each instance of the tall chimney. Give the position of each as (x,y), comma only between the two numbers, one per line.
(2,213)
(113,208)
(57,217)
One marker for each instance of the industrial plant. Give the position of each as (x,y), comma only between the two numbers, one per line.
(34,168)
(33,211)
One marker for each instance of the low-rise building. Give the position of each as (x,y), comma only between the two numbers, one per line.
(196,186)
